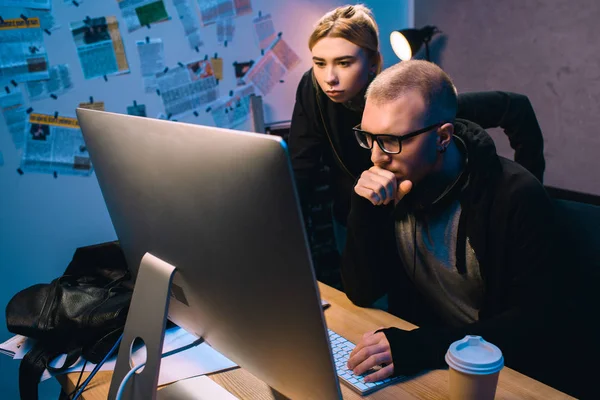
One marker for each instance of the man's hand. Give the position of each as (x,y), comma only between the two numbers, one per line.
(381,187)
(372,351)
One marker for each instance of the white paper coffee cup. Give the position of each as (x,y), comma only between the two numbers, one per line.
(474,368)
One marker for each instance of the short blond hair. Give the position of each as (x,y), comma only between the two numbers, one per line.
(436,87)
(356,24)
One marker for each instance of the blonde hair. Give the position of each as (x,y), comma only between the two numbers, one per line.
(353,23)
(436,87)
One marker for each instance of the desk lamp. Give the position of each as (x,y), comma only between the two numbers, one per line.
(407,42)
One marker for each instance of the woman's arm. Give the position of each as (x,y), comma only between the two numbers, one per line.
(513,113)
(306,140)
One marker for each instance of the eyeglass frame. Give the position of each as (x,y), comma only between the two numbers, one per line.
(398,138)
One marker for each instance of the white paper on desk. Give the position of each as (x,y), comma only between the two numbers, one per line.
(199,388)
(198,360)
(16,347)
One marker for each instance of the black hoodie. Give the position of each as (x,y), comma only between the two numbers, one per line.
(321,130)
(507,218)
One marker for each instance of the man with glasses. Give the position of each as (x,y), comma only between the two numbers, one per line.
(458,237)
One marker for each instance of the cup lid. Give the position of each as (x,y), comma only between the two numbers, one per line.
(473,355)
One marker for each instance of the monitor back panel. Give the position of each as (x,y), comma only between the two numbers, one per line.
(220,206)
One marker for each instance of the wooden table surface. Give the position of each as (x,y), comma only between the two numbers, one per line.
(351,322)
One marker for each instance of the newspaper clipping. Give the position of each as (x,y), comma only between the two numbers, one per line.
(152,61)
(214,10)
(230,111)
(59,83)
(15,115)
(138,13)
(96,105)
(225,29)
(191,25)
(55,145)
(137,109)
(242,7)
(272,67)
(265,30)
(217,64)
(23,57)
(42,4)
(47,21)
(186,88)
(241,68)
(99,47)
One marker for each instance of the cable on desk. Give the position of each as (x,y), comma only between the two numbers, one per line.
(97,367)
(70,395)
(137,367)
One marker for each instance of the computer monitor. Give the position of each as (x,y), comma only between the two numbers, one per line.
(220,207)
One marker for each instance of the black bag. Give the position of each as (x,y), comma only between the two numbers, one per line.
(81,313)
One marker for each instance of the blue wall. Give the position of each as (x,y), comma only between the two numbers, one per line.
(43,219)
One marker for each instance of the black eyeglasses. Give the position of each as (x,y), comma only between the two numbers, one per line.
(389,144)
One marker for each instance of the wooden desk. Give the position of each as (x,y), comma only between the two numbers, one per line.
(351,322)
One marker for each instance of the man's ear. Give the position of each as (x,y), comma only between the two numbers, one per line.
(445,133)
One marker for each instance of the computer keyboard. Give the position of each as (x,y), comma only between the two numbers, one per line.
(341,349)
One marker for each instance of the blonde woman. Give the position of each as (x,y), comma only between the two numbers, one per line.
(330,101)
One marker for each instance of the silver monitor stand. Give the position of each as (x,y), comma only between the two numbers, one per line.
(151,292)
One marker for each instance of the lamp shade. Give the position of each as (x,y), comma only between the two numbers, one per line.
(407,42)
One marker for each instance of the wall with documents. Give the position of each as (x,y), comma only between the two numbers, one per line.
(195,61)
